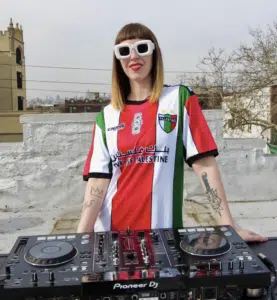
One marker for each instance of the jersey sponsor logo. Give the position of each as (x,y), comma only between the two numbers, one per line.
(140,155)
(137,123)
(167,122)
(118,127)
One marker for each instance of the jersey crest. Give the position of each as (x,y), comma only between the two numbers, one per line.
(167,122)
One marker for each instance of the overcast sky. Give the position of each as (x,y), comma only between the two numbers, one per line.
(81,33)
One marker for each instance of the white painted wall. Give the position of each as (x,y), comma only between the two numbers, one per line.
(41,179)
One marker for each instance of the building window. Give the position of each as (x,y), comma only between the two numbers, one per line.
(19,80)
(20,103)
(18,56)
(72,109)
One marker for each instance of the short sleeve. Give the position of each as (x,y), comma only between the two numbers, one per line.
(98,162)
(197,138)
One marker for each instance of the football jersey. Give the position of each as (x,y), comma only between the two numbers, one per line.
(142,149)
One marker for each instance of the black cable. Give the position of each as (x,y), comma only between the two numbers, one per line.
(109,70)
(46,90)
(56,81)
(58,91)
(109,84)
(231,296)
(270,265)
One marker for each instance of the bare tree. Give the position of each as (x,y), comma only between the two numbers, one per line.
(243,81)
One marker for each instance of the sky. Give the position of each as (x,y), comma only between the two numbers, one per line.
(81,33)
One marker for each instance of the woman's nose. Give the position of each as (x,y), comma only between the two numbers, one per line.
(134,54)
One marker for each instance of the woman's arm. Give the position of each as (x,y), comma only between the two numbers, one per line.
(95,193)
(207,169)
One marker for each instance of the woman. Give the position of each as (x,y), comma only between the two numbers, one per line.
(135,164)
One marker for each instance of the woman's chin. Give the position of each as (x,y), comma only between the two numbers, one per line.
(138,78)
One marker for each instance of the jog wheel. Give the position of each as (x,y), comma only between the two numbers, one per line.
(205,244)
(50,254)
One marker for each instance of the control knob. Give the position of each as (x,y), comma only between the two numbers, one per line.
(141,235)
(100,249)
(144,273)
(115,276)
(241,265)
(8,270)
(114,236)
(34,277)
(230,265)
(157,273)
(51,276)
(155,237)
(146,259)
(116,261)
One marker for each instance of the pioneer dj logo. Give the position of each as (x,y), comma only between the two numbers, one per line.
(151,284)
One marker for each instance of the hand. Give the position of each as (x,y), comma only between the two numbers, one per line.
(250,236)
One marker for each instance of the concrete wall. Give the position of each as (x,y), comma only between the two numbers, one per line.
(10,127)
(41,187)
(11,130)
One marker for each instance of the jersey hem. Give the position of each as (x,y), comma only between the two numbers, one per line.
(97,175)
(196,157)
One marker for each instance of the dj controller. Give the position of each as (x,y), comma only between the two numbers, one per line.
(169,264)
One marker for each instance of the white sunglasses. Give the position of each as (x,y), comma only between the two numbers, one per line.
(143,48)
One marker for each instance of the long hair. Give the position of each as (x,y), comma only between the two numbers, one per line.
(120,81)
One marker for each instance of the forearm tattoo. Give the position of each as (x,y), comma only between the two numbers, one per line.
(94,193)
(212,195)
(87,204)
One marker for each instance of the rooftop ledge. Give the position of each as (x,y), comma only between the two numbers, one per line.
(58,118)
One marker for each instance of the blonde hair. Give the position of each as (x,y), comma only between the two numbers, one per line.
(120,81)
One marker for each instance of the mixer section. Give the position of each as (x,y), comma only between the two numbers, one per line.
(126,250)
(138,267)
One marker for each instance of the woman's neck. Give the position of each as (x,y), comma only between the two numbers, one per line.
(140,90)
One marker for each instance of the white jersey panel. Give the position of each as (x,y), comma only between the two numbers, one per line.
(166,138)
(188,141)
(100,156)
(103,222)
